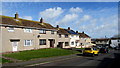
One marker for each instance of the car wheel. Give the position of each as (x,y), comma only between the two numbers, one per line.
(93,54)
(97,54)
(83,54)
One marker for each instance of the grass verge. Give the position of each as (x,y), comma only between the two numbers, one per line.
(2,60)
(41,53)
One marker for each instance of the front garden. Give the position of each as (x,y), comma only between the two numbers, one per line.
(40,53)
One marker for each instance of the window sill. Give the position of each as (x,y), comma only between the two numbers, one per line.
(27,45)
(42,33)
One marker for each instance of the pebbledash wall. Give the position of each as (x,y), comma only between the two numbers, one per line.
(18,35)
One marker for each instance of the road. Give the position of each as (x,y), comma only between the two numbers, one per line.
(108,60)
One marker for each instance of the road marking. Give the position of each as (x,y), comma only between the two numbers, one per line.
(46,62)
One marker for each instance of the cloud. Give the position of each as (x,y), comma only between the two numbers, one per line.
(68,18)
(86,17)
(99,27)
(51,12)
(76,10)
(27,17)
(83,19)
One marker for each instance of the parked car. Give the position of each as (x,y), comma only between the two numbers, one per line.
(91,51)
(103,50)
(117,48)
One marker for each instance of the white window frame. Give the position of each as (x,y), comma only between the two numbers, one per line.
(27,41)
(42,42)
(42,31)
(10,29)
(72,43)
(28,30)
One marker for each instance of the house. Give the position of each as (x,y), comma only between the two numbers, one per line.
(114,42)
(85,40)
(102,42)
(20,34)
(63,38)
(74,38)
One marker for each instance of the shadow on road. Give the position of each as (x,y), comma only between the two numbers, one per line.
(110,62)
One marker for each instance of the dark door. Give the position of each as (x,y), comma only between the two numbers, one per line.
(51,43)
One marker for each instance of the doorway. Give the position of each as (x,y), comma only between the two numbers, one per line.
(52,41)
(15,46)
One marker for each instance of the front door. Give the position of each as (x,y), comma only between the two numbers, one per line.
(14,45)
(52,41)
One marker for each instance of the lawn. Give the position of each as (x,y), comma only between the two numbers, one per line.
(2,60)
(41,53)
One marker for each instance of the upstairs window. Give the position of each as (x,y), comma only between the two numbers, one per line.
(72,43)
(66,36)
(10,29)
(72,35)
(27,42)
(52,32)
(28,30)
(42,31)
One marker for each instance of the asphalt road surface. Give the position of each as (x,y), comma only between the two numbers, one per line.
(109,60)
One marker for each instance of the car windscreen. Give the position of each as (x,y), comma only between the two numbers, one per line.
(87,48)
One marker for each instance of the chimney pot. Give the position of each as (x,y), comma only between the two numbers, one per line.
(57,26)
(41,20)
(76,31)
(68,28)
(16,15)
(83,32)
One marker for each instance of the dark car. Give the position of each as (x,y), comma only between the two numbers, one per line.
(103,50)
(117,48)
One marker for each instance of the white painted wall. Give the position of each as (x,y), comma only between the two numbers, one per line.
(73,38)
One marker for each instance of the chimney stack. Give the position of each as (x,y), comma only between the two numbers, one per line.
(16,15)
(57,26)
(68,28)
(41,20)
(76,31)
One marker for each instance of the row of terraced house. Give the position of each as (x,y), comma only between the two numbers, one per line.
(19,34)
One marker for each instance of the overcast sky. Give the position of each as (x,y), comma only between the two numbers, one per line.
(97,19)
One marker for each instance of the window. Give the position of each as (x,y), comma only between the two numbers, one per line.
(72,43)
(60,36)
(42,42)
(66,43)
(27,42)
(42,32)
(118,40)
(72,35)
(66,36)
(11,29)
(77,36)
(52,32)
(28,30)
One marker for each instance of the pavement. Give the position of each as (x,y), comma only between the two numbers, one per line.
(76,60)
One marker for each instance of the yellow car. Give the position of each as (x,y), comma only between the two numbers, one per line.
(91,51)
